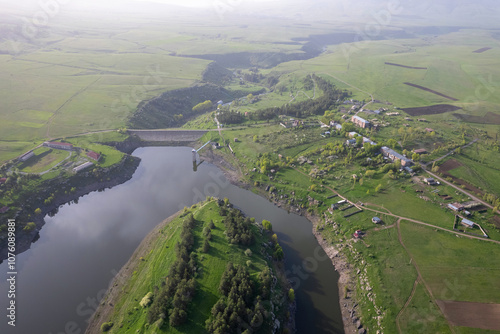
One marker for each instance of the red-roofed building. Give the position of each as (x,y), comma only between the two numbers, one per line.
(3,180)
(58,145)
(4,209)
(93,155)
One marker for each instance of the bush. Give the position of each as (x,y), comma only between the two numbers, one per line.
(248,252)
(267,225)
(29,227)
(146,300)
(106,326)
(291,295)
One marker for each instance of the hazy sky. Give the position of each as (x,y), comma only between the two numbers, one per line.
(206,3)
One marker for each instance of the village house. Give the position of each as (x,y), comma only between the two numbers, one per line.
(353,134)
(420,151)
(361,122)
(455,207)
(394,156)
(350,142)
(3,180)
(408,169)
(430,181)
(376,220)
(429,130)
(58,145)
(291,123)
(82,167)
(368,140)
(93,155)
(26,156)
(4,209)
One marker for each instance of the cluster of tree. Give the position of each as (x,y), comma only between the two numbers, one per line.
(308,83)
(238,229)
(173,298)
(203,106)
(165,110)
(230,117)
(327,101)
(253,77)
(238,310)
(267,162)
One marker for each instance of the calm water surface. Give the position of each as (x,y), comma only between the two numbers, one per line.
(64,274)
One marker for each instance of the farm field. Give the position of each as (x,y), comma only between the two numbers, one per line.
(454,70)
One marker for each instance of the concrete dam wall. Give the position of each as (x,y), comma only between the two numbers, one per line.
(168,135)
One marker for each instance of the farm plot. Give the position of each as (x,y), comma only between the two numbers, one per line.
(489,118)
(405,66)
(475,315)
(430,91)
(482,50)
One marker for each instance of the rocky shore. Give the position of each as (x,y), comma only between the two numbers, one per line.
(346,284)
(112,176)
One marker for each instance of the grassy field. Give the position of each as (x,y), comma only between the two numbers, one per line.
(452,70)
(479,167)
(450,268)
(43,160)
(129,317)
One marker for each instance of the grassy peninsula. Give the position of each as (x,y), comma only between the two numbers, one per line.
(205,269)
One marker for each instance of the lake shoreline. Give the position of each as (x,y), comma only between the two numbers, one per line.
(345,283)
(118,174)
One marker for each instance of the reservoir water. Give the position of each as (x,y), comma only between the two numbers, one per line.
(62,277)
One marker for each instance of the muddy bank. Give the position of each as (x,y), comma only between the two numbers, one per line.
(83,183)
(346,284)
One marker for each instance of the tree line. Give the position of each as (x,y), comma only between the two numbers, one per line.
(175,295)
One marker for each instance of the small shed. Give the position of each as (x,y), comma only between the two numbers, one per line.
(430,181)
(376,220)
(467,223)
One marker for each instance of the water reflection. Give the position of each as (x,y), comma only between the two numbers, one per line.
(83,245)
